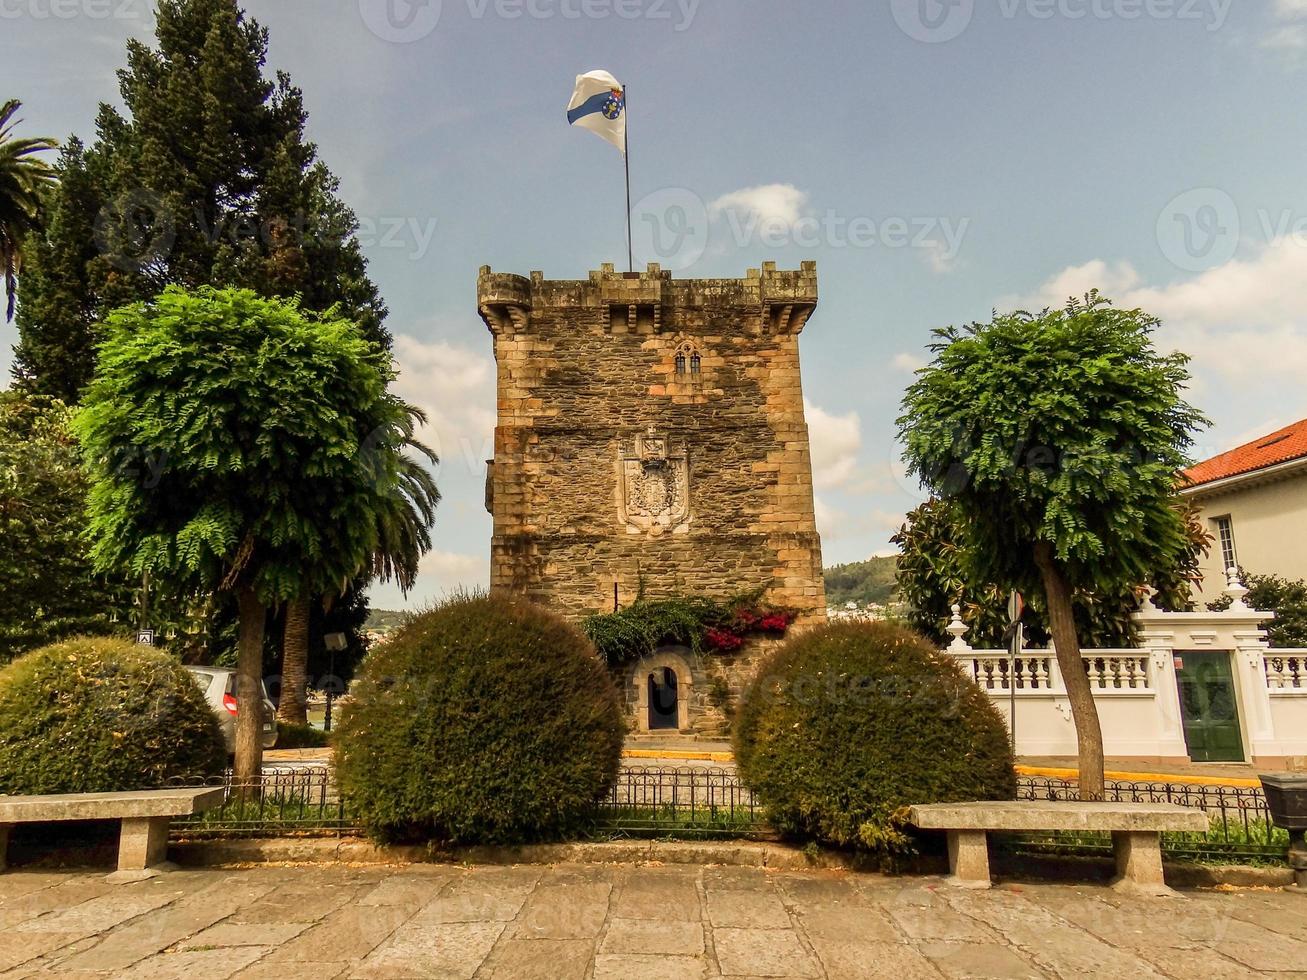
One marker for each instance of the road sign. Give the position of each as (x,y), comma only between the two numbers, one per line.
(1016,606)
(145,637)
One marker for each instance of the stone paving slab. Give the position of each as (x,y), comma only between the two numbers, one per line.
(608,922)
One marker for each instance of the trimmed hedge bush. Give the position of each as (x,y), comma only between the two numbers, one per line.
(847,724)
(99,715)
(291,736)
(482,720)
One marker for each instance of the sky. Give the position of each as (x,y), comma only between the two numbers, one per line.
(938,159)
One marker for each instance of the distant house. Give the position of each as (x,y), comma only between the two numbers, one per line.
(1254,500)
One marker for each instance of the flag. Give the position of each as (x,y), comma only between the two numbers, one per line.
(599,105)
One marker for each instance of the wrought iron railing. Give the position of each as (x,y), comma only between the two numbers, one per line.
(695,801)
(283,799)
(1240,823)
(692,799)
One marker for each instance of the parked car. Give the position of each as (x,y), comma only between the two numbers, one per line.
(219,686)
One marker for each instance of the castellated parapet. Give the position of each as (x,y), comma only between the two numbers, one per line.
(651,434)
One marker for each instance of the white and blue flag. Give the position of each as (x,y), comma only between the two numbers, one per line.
(599,105)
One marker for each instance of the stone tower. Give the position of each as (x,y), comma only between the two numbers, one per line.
(651,433)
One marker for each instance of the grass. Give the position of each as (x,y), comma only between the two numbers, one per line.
(679,822)
(1255,842)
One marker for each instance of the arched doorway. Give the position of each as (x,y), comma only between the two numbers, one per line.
(662,685)
(664,700)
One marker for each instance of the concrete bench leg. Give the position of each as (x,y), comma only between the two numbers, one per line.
(142,848)
(1139,862)
(968,858)
(4,846)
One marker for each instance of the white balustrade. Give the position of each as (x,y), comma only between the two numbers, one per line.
(1118,670)
(1137,690)
(1286,670)
(991,669)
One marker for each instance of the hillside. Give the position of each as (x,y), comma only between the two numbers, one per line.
(385,619)
(862,582)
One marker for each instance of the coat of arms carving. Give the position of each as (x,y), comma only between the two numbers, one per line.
(654,485)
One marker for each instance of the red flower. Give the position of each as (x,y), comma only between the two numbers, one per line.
(723,639)
(745,619)
(777,622)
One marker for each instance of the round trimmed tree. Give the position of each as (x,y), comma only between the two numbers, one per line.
(99,715)
(846,725)
(1058,440)
(240,444)
(482,720)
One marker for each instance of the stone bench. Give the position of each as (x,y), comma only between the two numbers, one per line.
(1136,830)
(145,815)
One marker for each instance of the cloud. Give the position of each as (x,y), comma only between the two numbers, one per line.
(455,386)
(835,524)
(1243,322)
(770,203)
(443,571)
(835,442)
(940,257)
(1290,37)
(907,362)
(1111,279)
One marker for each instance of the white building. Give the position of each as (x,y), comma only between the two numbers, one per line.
(1201,687)
(1254,500)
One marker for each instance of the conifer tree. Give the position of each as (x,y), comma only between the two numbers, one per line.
(206,178)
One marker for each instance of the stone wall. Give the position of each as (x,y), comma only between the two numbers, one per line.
(651,435)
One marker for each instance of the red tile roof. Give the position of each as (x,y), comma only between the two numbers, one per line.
(1287,444)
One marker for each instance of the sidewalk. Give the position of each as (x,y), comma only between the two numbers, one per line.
(674,752)
(1136,770)
(624,922)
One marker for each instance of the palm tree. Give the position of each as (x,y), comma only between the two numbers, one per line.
(404,521)
(23,181)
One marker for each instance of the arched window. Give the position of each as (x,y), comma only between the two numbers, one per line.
(689,362)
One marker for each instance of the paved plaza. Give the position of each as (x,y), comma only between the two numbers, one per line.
(625,923)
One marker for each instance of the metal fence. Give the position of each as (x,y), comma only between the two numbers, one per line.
(697,801)
(1240,822)
(692,799)
(282,800)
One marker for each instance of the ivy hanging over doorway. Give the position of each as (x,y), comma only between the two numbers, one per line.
(703,624)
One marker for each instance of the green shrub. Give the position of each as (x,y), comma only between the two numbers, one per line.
(291,736)
(482,720)
(98,714)
(847,724)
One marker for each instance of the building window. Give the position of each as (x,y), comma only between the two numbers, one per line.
(688,361)
(1225,534)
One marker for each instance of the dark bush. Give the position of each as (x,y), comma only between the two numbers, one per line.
(482,720)
(291,736)
(847,724)
(98,714)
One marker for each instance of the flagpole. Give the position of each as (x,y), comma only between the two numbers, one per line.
(626,153)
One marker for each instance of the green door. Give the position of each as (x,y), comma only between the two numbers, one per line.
(1208,707)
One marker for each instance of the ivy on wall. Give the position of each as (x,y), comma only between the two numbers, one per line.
(700,623)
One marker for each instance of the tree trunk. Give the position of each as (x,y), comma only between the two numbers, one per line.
(249,691)
(292,708)
(1062,625)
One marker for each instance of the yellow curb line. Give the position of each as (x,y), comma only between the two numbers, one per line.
(1135,777)
(1144,777)
(679,754)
